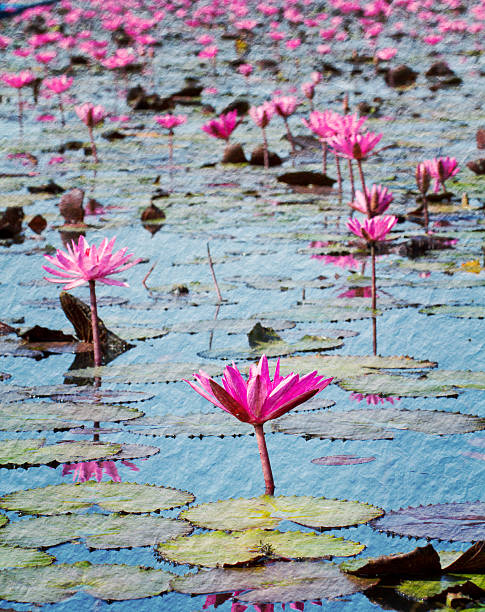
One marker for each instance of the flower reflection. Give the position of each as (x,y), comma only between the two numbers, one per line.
(357,292)
(219,599)
(85,470)
(342,261)
(372,398)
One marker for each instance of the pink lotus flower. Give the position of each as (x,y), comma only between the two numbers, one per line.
(372,230)
(84,263)
(386,54)
(259,399)
(46,57)
(169,121)
(261,115)
(209,52)
(441,169)
(285,106)
(245,69)
(205,39)
(293,43)
(222,127)
(59,84)
(18,79)
(4,41)
(308,90)
(354,145)
(377,201)
(316,77)
(90,114)
(323,123)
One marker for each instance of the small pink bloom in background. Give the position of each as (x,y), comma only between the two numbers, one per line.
(18,79)
(210,90)
(246,24)
(441,169)
(57,159)
(340,36)
(245,69)
(354,145)
(316,77)
(90,114)
(424,274)
(4,42)
(222,127)
(377,202)
(205,39)
(433,39)
(121,118)
(293,43)
(386,54)
(25,52)
(372,230)
(358,292)
(208,52)
(83,263)
(276,36)
(45,57)
(258,399)
(169,121)
(373,399)
(45,118)
(308,90)
(261,115)
(58,84)
(285,106)
(324,49)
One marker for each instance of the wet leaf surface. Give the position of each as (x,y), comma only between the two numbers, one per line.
(11,556)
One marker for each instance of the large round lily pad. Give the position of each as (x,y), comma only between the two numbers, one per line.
(59,582)
(266,512)
(275,582)
(38,416)
(220,549)
(11,556)
(372,423)
(398,386)
(110,496)
(459,312)
(95,530)
(454,522)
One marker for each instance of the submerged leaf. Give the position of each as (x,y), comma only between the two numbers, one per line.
(110,496)
(266,512)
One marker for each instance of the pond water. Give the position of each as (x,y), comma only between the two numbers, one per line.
(402,429)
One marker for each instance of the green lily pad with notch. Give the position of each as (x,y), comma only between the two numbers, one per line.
(95,530)
(110,496)
(266,512)
(12,556)
(391,385)
(56,583)
(20,453)
(458,312)
(453,522)
(221,549)
(158,372)
(73,393)
(344,366)
(231,326)
(421,590)
(38,416)
(275,582)
(274,349)
(304,314)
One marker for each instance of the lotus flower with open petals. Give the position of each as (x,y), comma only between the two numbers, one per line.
(258,399)
(372,230)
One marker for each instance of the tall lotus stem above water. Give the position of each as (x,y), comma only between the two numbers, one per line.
(423,180)
(87,264)
(285,106)
(373,230)
(441,169)
(91,116)
(59,85)
(261,115)
(259,399)
(169,122)
(17,80)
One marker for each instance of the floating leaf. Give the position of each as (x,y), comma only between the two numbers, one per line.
(458,312)
(266,512)
(38,416)
(342,460)
(368,422)
(11,556)
(110,496)
(59,582)
(220,549)
(275,582)
(284,284)
(306,313)
(421,562)
(3,520)
(73,393)
(231,326)
(163,371)
(96,531)
(421,590)
(398,386)
(455,522)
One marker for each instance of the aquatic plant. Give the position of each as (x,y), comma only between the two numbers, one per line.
(169,122)
(91,115)
(18,80)
(261,115)
(259,399)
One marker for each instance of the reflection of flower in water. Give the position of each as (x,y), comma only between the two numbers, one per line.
(357,292)
(219,599)
(342,261)
(373,398)
(83,471)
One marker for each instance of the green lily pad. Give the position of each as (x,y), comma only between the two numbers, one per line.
(345,366)
(266,512)
(285,284)
(163,371)
(3,520)
(398,386)
(311,313)
(73,393)
(274,349)
(458,312)
(231,326)
(138,333)
(420,590)
(38,416)
(11,556)
(281,581)
(221,549)
(454,522)
(19,453)
(56,583)
(95,530)
(109,496)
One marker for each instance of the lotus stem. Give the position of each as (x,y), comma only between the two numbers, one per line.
(426,213)
(21,122)
(94,324)
(61,109)
(170,148)
(374,296)
(265,150)
(93,146)
(290,137)
(265,464)
(352,182)
(339,177)
(324,156)
(211,266)
(364,190)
